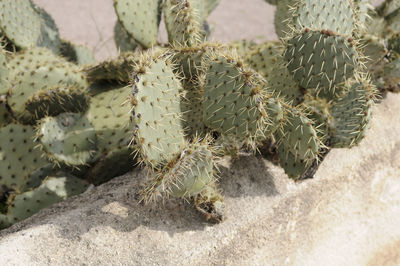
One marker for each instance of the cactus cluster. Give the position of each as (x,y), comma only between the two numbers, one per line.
(67,121)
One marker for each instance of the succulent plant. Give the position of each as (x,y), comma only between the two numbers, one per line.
(177,107)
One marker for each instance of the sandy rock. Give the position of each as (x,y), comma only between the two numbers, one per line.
(349,214)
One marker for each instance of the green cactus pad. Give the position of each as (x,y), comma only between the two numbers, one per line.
(320,61)
(299,136)
(56,100)
(4,75)
(17,155)
(263,57)
(20,23)
(76,53)
(283,84)
(282,20)
(374,49)
(184,22)
(68,138)
(276,115)
(294,167)
(119,69)
(156,114)
(233,97)
(190,61)
(242,47)
(123,41)
(335,15)
(351,116)
(27,59)
(39,79)
(140,19)
(53,190)
(109,113)
(35,178)
(185,177)
(320,112)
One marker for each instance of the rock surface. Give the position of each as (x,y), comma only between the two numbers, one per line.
(349,214)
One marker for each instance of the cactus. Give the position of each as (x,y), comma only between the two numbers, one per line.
(233,106)
(68,138)
(123,41)
(184,22)
(156,111)
(140,19)
(181,105)
(53,189)
(20,23)
(44,85)
(18,157)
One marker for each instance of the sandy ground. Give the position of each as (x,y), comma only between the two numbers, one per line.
(91,22)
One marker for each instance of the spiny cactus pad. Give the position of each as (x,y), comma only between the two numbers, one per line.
(263,57)
(20,23)
(283,84)
(188,175)
(299,136)
(276,116)
(335,15)
(140,19)
(156,112)
(53,190)
(351,115)
(319,60)
(17,154)
(68,138)
(183,21)
(294,167)
(110,117)
(233,97)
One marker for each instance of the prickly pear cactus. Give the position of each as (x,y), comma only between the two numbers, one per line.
(68,138)
(140,19)
(156,111)
(233,106)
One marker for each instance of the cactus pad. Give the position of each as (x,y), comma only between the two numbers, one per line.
(263,57)
(109,115)
(17,154)
(299,136)
(123,41)
(351,115)
(140,19)
(233,97)
(156,110)
(335,15)
(318,60)
(184,22)
(53,190)
(20,23)
(68,138)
